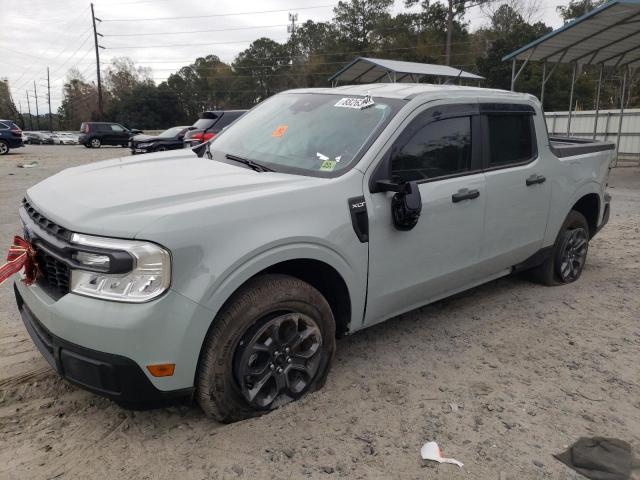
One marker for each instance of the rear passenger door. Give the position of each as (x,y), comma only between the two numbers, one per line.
(518,191)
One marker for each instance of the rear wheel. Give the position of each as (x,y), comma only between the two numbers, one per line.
(272,343)
(4,147)
(569,254)
(95,143)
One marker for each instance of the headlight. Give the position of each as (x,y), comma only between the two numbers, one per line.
(100,262)
(143,145)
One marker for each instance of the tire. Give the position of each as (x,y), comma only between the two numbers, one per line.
(267,307)
(4,147)
(95,143)
(569,254)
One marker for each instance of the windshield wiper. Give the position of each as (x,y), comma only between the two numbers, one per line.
(250,163)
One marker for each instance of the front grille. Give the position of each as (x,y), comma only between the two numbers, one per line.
(55,274)
(46,224)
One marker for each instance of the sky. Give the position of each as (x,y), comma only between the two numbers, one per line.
(59,34)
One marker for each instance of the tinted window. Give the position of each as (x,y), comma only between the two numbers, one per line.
(511,139)
(4,126)
(437,149)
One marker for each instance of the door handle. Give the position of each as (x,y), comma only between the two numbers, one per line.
(464,194)
(535,179)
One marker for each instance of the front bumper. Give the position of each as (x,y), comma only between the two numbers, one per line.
(110,344)
(113,376)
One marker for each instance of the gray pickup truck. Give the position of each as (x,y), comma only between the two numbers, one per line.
(318,213)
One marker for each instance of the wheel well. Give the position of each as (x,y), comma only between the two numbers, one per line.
(589,206)
(326,280)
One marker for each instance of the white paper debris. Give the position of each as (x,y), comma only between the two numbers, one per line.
(431,451)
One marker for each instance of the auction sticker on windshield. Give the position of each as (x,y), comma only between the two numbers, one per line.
(278,132)
(359,103)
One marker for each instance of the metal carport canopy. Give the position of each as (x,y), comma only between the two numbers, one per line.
(608,35)
(372,70)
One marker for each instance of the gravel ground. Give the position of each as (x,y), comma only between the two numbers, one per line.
(502,376)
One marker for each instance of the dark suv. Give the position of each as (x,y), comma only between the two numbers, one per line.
(10,136)
(210,124)
(96,134)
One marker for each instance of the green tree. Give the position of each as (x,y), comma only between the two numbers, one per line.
(577,8)
(8,109)
(79,101)
(357,20)
(261,70)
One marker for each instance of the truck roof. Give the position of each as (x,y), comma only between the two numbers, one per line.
(411,90)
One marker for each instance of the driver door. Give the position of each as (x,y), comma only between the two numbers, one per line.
(439,149)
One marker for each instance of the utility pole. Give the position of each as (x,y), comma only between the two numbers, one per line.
(293,18)
(29,107)
(35,94)
(95,39)
(449,32)
(49,100)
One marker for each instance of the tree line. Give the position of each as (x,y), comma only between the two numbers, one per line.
(316,50)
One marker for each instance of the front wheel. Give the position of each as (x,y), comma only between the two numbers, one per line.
(272,343)
(569,254)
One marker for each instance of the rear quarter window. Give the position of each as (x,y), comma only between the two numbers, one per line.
(511,139)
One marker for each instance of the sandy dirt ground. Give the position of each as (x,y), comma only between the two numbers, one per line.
(502,376)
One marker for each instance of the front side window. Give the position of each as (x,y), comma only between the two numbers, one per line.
(307,133)
(510,139)
(117,128)
(437,149)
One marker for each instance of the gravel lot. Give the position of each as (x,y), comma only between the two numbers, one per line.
(502,377)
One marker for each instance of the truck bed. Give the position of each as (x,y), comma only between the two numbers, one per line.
(571,146)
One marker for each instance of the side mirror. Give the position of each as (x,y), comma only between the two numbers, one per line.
(406,204)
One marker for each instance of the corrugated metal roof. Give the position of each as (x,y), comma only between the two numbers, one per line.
(372,70)
(608,35)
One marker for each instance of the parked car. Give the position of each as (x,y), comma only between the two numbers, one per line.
(39,138)
(96,134)
(168,140)
(10,136)
(319,213)
(63,138)
(210,124)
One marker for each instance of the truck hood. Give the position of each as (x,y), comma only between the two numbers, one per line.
(121,197)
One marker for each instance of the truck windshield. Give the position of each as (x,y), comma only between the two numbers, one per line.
(307,133)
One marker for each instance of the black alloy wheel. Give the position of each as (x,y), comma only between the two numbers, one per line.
(574,255)
(276,362)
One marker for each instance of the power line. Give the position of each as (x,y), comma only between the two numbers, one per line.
(125,47)
(192,31)
(213,15)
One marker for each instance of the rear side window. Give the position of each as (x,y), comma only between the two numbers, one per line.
(4,126)
(438,149)
(204,123)
(510,139)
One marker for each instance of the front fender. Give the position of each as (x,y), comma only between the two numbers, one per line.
(250,265)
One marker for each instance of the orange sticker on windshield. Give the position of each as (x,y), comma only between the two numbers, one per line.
(278,132)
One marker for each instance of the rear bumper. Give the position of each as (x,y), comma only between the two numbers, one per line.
(14,143)
(111,375)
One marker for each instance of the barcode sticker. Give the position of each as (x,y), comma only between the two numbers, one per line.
(358,103)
